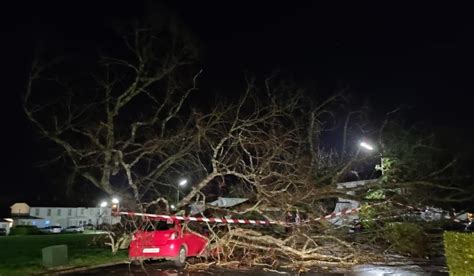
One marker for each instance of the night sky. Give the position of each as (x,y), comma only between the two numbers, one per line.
(420,57)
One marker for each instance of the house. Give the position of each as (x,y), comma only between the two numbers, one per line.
(221,202)
(20,209)
(346,204)
(6,224)
(62,216)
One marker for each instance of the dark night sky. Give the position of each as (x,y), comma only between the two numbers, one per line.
(419,56)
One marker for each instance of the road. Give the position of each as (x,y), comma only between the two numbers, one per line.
(167,269)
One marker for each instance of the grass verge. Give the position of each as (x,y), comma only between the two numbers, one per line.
(21,255)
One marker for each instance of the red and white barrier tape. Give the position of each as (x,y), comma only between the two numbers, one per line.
(203,219)
(339,214)
(259,222)
(422,210)
(236,221)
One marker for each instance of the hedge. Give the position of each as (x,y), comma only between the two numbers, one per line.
(25,230)
(459,249)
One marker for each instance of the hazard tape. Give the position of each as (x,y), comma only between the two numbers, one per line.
(203,219)
(263,222)
(339,214)
(423,210)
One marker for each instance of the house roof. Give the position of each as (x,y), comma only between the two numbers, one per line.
(25,217)
(223,202)
(19,203)
(228,201)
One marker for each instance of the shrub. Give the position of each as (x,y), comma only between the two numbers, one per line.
(368,216)
(406,238)
(25,230)
(459,248)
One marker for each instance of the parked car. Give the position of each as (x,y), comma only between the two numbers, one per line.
(167,240)
(89,226)
(3,232)
(74,229)
(52,229)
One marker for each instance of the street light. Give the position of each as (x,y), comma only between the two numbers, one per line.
(369,147)
(103,204)
(366,146)
(181,183)
(115,205)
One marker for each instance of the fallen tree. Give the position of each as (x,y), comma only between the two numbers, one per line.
(141,133)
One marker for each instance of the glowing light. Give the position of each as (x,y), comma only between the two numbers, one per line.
(115,200)
(366,146)
(183,182)
(103,204)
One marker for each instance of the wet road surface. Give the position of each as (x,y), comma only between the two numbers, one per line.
(168,269)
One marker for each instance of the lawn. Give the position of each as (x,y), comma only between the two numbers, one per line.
(21,255)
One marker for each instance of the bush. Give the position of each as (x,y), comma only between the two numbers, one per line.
(25,230)
(406,238)
(369,216)
(459,248)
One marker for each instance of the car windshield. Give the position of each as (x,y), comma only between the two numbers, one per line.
(159,225)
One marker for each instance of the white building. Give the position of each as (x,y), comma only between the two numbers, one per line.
(67,216)
(6,224)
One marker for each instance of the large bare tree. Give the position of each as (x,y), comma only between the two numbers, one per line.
(123,117)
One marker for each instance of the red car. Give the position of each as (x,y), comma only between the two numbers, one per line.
(167,240)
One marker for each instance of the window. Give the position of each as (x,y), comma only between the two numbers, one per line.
(82,212)
(37,212)
(69,212)
(49,213)
(58,212)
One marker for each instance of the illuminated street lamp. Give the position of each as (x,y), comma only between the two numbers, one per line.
(102,205)
(366,146)
(369,147)
(115,204)
(181,183)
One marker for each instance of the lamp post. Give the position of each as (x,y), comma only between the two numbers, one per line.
(181,183)
(369,147)
(103,204)
(115,205)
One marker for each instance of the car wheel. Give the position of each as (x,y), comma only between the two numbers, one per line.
(180,260)
(135,262)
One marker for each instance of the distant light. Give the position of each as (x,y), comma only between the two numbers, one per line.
(46,222)
(103,204)
(183,182)
(366,146)
(172,206)
(115,200)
